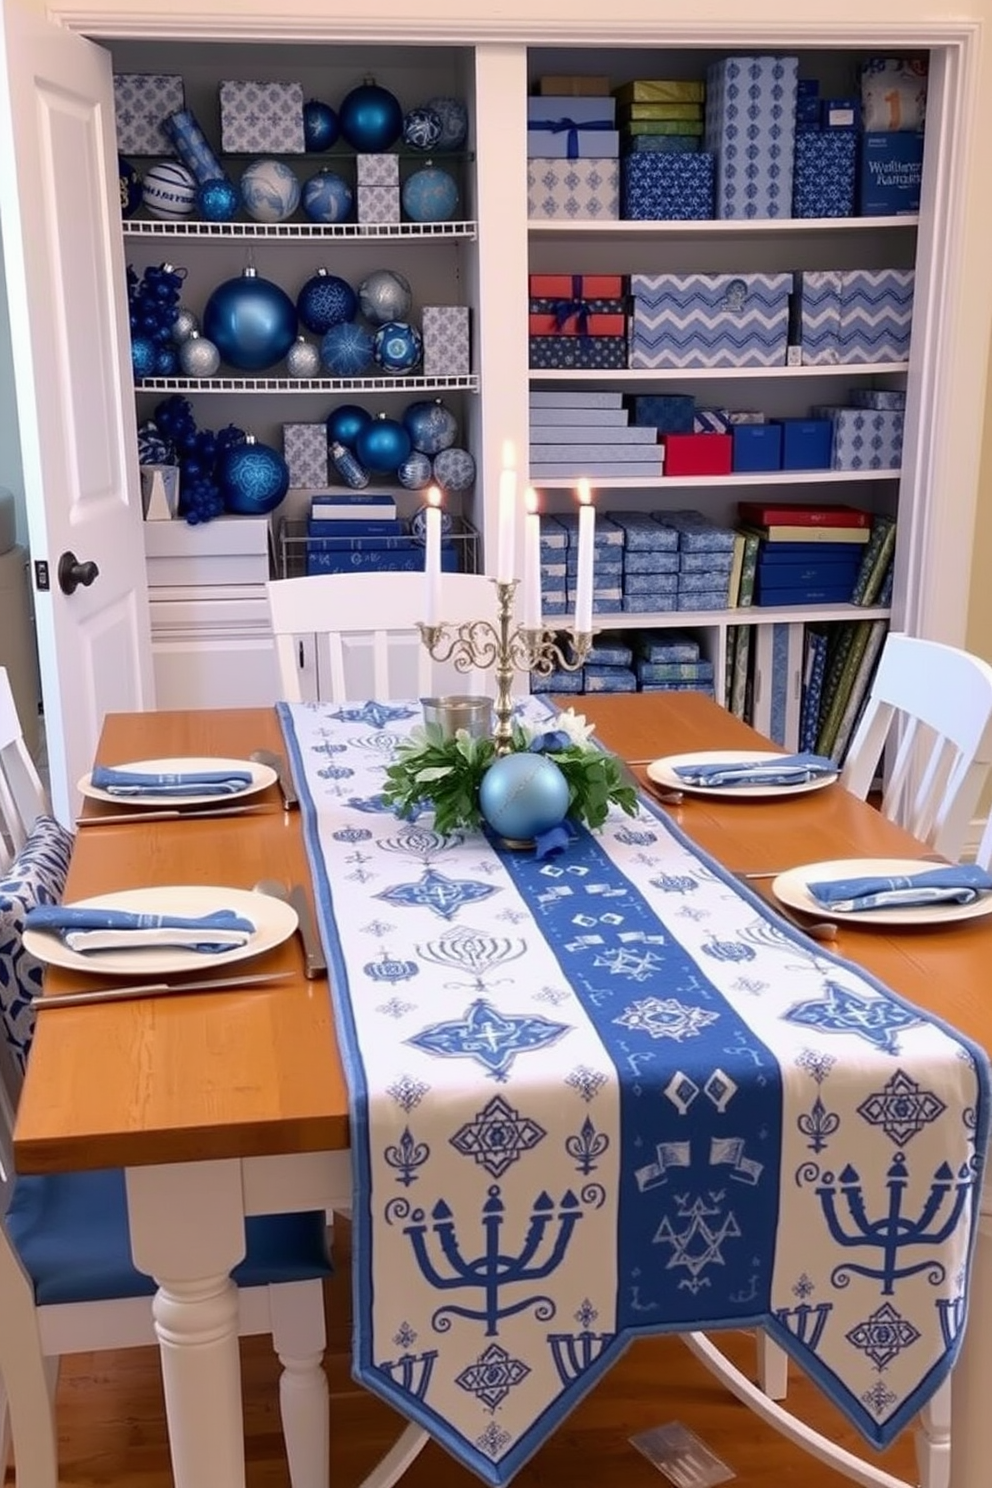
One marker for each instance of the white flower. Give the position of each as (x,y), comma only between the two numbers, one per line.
(574,725)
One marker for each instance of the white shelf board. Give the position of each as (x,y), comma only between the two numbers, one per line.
(751,615)
(699,374)
(710,227)
(751,478)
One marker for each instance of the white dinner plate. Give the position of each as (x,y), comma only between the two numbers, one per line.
(274,922)
(261,776)
(791,888)
(662,772)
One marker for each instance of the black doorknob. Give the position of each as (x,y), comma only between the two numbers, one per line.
(72,573)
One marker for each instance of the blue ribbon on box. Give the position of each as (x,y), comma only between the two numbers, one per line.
(577,310)
(555,126)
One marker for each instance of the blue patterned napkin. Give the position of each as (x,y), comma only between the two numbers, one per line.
(960,883)
(194,782)
(122,930)
(787,769)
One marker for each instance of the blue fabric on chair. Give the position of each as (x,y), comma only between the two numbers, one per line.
(188,783)
(71,1233)
(36,876)
(959,883)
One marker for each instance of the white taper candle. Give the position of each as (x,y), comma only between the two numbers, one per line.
(432,557)
(584,564)
(532,562)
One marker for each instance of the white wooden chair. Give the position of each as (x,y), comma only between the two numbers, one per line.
(347,637)
(23,797)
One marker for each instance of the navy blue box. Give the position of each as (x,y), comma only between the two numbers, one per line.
(666,187)
(788,554)
(757,446)
(319,560)
(890,174)
(807,444)
(824,173)
(804,595)
(669,413)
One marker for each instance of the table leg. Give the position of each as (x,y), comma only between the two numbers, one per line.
(187,1231)
(971,1380)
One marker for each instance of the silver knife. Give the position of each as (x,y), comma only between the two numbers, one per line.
(315,964)
(277,762)
(172,814)
(153,989)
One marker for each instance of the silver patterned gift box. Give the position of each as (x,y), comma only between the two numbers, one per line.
(141,101)
(378,204)
(751,128)
(573,190)
(261,117)
(377,170)
(865,438)
(304,448)
(446,341)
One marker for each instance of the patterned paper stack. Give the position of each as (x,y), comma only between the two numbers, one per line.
(671,661)
(750,126)
(664,174)
(588,434)
(706,555)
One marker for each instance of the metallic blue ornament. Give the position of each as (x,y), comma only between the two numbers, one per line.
(418,522)
(415,472)
(253,478)
(454,121)
(370,118)
(324,301)
(454,469)
(130,187)
(218,200)
(422,129)
(382,445)
(523,795)
(431,426)
(320,125)
(327,197)
(251,321)
(143,354)
(166,361)
(345,422)
(430,195)
(346,350)
(397,346)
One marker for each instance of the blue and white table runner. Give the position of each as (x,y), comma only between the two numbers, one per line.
(612,1093)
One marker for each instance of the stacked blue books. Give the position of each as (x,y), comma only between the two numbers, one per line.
(671,661)
(350,532)
(706,557)
(575,434)
(790,573)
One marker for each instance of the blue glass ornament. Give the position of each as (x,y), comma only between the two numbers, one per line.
(251,321)
(130,187)
(523,795)
(346,350)
(370,118)
(351,470)
(218,200)
(454,469)
(382,445)
(324,301)
(454,121)
(430,195)
(327,197)
(166,361)
(253,478)
(269,190)
(143,354)
(344,423)
(422,129)
(418,522)
(320,125)
(431,426)
(397,346)
(415,472)
(385,295)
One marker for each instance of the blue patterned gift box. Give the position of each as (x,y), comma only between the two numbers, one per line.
(649,604)
(141,101)
(710,320)
(572,128)
(642,534)
(378,203)
(878,398)
(609,679)
(697,532)
(573,190)
(609,650)
(608,536)
(261,117)
(851,316)
(666,645)
(704,561)
(581,352)
(556,681)
(649,583)
(866,438)
(702,599)
(659,187)
(553,537)
(750,127)
(377,170)
(669,413)
(661,144)
(650,561)
(825,173)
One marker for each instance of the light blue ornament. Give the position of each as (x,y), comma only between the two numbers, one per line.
(523,795)
(327,197)
(415,473)
(253,478)
(397,346)
(269,190)
(430,195)
(370,118)
(422,129)
(382,445)
(344,423)
(218,200)
(431,426)
(454,121)
(454,469)
(251,321)
(418,522)
(324,301)
(346,350)
(320,125)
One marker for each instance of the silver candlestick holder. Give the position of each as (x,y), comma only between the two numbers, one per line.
(507,649)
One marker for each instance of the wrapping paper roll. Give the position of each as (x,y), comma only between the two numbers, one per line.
(192,147)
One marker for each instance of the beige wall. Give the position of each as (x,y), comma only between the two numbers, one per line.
(979,638)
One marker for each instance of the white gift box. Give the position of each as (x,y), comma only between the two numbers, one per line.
(377,170)
(304,448)
(446,341)
(573,190)
(378,204)
(141,101)
(257,117)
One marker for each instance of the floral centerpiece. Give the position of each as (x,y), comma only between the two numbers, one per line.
(446,774)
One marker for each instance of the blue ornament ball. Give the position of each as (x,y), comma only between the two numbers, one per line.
(345,422)
(218,200)
(166,361)
(382,445)
(253,478)
(320,125)
(130,187)
(397,346)
(370,118)
(454,121)
(327,197)
(523,795)
(251,321)
(269,190)
(422,129)
(418,522)
(431,426)
(430,195)
(324,301)
(168,190)
(415,472)
(143,354)
(346,350)
(454,469)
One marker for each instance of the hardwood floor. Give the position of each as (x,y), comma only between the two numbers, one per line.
(111,1421)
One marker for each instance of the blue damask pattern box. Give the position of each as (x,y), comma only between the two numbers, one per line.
(609,679)
(710,320)
(669,413)
(825,173)
(257,117)
(750,127)
(141,101)
(697,532)
(642,534)
(585,190)
(582,352)
(867,439)
(650,583)
(649,604)
(637,562)
(665,187)
(855,315)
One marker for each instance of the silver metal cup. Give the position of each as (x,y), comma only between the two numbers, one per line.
(460,711)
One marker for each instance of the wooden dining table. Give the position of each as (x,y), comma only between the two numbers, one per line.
(224,1104)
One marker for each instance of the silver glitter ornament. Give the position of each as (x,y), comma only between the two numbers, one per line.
(384,296)
(303,358)
(198,357)
(184,325)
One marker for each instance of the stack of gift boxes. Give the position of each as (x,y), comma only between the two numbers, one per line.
(573,169)
(664,175)
(576,434)
(636,661)
(578,320)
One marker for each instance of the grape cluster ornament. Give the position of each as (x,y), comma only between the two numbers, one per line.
(153,307)
(196,452)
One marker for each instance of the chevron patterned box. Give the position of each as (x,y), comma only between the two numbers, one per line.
(855,315)
(666,187)
(573,190)
(709,320)
(866,439)
(825,173)
(750,127)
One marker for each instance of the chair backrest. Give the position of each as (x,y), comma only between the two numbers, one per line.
(22,796)
(937,701)
(348,637)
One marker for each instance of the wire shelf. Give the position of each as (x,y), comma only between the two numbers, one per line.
(411,232)
(292,539)
(222,384)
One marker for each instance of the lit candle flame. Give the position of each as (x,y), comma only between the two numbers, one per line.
(583,491)
(530,500)
(434,495)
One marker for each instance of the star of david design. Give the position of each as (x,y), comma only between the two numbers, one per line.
(493,1440)
(901,1108)
(375,715)
(698,1245)
(665,1017)
(879,1398)
(493,1375)
(498,1137)
(493,1039)
(434,891)
(883,1335)
(874,1019)
(638,965)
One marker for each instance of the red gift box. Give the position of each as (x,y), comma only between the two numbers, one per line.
(698,454)
(576,286)
(578,324)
